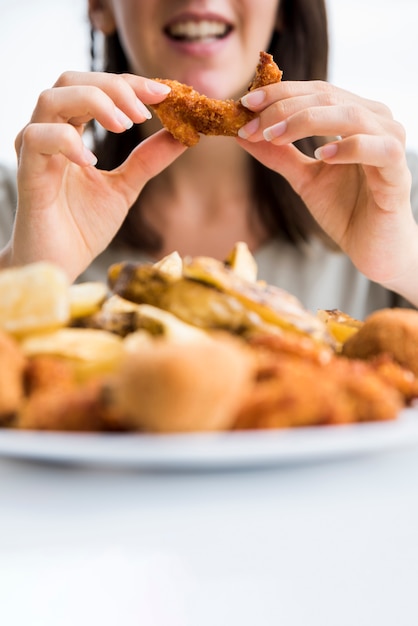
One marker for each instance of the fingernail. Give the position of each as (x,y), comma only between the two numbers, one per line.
(326,152)
(254,98)
(249,129)
(158,88)
(90,158)
(143,109)
(123,119)
(275,131)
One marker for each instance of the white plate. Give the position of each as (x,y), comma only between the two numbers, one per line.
(211,451)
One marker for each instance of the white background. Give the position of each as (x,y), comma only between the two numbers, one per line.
(374,52)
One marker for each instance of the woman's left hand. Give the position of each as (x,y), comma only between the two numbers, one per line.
(357,187)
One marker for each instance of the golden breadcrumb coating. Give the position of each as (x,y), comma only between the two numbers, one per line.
(185,112)
(388,331)
(12,366)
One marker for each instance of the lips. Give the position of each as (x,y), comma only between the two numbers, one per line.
(198,30)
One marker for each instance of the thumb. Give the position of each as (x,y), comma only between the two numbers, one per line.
(149,158)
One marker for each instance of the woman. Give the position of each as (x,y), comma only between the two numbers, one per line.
(351,194)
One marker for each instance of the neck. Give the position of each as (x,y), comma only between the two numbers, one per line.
(203,203)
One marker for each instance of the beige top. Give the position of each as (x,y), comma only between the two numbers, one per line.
(321,279)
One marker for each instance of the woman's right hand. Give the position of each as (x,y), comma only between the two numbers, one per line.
(69,211)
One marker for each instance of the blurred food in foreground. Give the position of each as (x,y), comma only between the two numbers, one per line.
(340,325)
(192,344)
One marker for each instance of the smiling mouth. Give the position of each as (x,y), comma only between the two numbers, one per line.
(203,31)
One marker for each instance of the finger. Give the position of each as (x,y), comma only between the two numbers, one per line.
(328,121)
(314,121)
(148,159)
(41,141)
(78,105)
(276,112)
(150,91)
(383,152)
(277,103)
(123,89)
(325,94)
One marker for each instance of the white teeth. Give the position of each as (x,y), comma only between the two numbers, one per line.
(198,30)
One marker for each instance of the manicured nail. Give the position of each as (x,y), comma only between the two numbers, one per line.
(254,98)
(249,129)
(90,158)
(158,88)
(275,131)
(326,152)
(123,119)
(143,109)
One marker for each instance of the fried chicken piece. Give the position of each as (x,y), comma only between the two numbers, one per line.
(195,389)
(396,376)
(81,408)
(56,401)
(12,366)
(361,389)
(294,391)
(285,396)
(185,113)
(388,331)
(292,343)
(46,372)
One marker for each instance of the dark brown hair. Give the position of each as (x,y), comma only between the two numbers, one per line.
(300,48)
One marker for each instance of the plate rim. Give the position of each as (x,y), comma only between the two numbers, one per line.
(211,450)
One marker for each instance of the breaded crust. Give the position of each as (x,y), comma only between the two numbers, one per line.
(388,331)
(166,388)
(12,365)
(185,112)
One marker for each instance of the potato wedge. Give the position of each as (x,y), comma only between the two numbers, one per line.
(242,262)
(172,265)
(340,325)
(93,352)
(33,298)
(86,298)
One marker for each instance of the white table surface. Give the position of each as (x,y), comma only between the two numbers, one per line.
(331,543)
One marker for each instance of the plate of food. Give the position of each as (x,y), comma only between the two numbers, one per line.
(194,362)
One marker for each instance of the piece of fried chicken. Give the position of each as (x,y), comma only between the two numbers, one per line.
(312,388)
(12,365)
(387,331)
(185,112)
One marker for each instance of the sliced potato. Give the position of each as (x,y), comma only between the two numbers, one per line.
(33,298)
(86,298)
(154,321)
(172,264)
(271,304)
(341,326)
(171,328)
(242,262)
(117,304)
(92,351)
